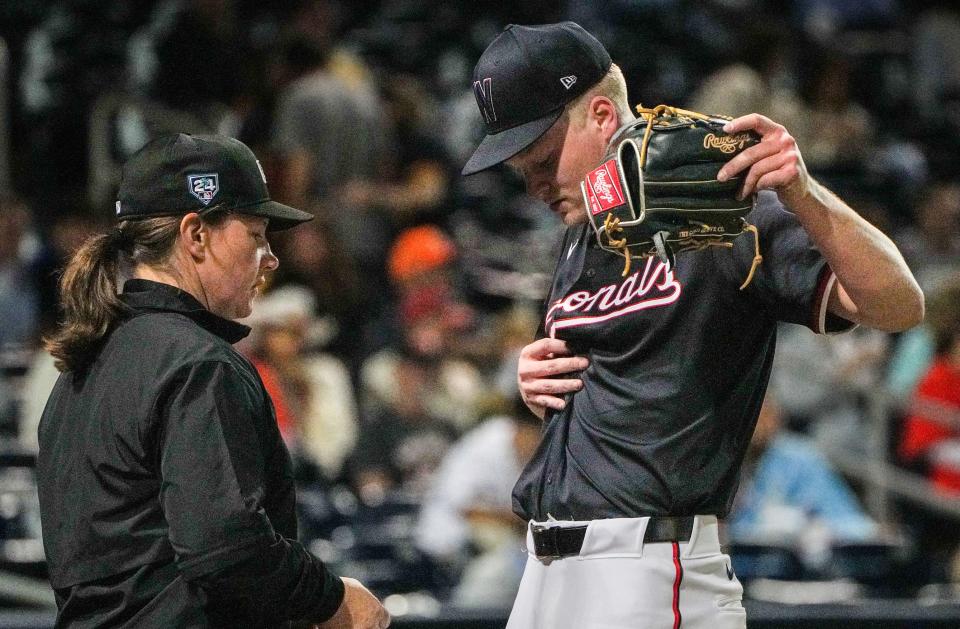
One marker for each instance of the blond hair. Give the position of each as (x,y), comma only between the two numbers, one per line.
(614,87)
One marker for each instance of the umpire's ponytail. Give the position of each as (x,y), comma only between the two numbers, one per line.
(89,286)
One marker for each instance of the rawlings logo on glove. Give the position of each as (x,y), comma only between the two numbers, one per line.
(603,187)
(727,144)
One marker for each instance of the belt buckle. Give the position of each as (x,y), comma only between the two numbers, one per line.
(546,541)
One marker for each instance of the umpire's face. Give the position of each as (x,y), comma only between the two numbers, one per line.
(233,264)
(554,165)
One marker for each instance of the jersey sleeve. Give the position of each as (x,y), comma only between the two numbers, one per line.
(794,280)
(213,492)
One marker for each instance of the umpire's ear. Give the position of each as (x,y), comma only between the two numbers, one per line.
(194,236)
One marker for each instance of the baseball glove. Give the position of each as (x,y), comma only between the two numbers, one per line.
(657,193)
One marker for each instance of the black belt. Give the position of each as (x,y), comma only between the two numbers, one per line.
(556,542)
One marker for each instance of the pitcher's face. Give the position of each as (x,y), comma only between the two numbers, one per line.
(553,166)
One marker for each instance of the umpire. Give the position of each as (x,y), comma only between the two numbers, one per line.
(166,492)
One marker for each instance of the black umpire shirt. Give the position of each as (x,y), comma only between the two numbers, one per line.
(166,492)
(679,363)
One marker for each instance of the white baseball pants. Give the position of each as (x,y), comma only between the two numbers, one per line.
(618,582)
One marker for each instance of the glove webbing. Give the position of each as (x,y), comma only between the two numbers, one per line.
(612,224)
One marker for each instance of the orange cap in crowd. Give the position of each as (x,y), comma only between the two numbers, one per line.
(417,250)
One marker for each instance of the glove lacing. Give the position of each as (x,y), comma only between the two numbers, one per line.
(651,115)
(611,225)
(757,258)
(692,244)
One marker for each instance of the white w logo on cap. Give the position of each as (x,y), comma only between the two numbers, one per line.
(484,93)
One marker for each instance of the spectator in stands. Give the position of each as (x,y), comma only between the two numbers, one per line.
(933,253)
(931,247)
(18,305)
(931,436)
(936,58)
(185,59)
(70,229)
(311,391)
(329,129)
(789,491)
(415,185)
(326,131)
(417,395)
(821,382)
(761,78)
(313,259)
(432,324)
(931,244)
(467,520)
(419,257)
(19,300)
(401,442)
(840,129)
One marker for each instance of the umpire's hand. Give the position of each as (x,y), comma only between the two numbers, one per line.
(540,363)
(359,610)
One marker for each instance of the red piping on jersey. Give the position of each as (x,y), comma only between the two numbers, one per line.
(676,585)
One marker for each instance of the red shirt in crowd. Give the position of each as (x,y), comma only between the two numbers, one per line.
(934,422)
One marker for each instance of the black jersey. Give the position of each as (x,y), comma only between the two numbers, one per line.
(679,363)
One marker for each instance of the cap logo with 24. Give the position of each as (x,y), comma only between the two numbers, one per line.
(204,187)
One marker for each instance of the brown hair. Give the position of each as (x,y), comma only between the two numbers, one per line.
(89,285)
(90,282)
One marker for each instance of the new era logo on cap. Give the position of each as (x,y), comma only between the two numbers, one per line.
(568,81)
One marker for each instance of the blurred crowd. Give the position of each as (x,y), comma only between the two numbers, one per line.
(388,337)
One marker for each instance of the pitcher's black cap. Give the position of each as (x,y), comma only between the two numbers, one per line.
(178,174)
(523,80)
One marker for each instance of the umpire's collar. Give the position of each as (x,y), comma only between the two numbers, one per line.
(148,296)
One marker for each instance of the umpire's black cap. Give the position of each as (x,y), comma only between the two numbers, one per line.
(524,79)
(178,174)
